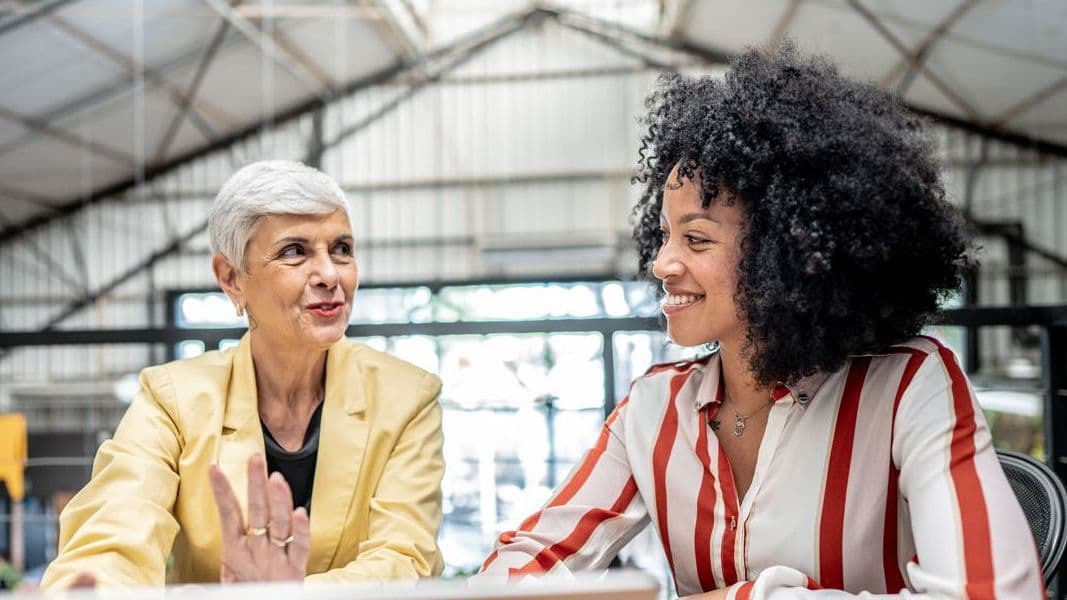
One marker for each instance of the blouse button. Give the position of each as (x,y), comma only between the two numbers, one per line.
(733,523)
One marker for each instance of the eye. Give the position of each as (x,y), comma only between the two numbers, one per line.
(343,248)
(693,240)
(292,251)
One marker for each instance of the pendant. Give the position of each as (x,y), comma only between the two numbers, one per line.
(739,425)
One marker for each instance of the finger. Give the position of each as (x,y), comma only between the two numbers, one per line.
(257,492)
(281,506)
(301,532)
(84,580)
(226,502)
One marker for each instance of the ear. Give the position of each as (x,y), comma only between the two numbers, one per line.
(229,279)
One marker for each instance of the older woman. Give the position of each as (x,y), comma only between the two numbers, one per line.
(351,436)
(825,449)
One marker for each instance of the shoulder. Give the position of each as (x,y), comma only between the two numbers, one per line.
(654,386)
(388,373)
(206,373)
(919,371)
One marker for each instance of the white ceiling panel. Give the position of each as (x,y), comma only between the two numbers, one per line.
(55,170)
(733,24)
(967,71)
(1052,111)
(144,32)
(845,35)
(998,54)
(925,95)
(994,56)
(242,83)
(132,121)
(40,67)
(10,131)
(1037,28)
(346,49)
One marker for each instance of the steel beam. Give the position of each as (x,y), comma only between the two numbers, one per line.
(190,93)
(466,50)
(1031,101)
(781,28)
(66,137)
(270,48)
(173,335)
(31,13)
(614,43)
(394,33)
(135,70)
(915,59)
(382,76)
(88,299)
(454,58)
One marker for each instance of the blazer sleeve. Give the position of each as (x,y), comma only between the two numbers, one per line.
(120,526)
(405,510)
(971,537)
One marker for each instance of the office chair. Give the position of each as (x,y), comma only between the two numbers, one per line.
(1041,494)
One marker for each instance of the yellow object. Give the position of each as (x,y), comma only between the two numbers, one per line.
(376,500)
(13,453)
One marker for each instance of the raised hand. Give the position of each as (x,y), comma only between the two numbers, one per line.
(274,543)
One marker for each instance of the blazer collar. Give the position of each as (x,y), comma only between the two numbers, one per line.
(242,400)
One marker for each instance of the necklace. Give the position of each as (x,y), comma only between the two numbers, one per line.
(740,421)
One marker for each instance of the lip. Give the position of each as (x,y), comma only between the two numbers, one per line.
(327,310)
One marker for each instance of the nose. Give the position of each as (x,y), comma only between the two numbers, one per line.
(324,272)
(666,263)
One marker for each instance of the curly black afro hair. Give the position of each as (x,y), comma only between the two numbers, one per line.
(849,243)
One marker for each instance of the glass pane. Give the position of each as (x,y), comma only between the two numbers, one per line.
(190,348)
(208,309)
(392,305)
(519,411)
(379,343)
(636,351)
(521,301)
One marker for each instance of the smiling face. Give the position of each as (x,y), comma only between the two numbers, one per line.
(299,281)
(697,264)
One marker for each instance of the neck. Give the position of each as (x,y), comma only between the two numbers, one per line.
(739,381)
(288,379)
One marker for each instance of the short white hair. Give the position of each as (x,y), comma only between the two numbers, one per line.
(268,187)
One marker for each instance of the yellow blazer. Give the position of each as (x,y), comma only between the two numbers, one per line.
(376,498)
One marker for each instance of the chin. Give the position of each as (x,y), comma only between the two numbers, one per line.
(324,339)
(687,339)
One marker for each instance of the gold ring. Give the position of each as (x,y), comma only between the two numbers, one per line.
(257,530)
(281,543)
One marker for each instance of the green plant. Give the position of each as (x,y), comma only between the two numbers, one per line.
(9,576)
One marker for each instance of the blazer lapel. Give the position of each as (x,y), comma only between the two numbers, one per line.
(342,441)
(242,435)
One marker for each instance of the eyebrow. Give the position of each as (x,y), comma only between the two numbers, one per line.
(694,216)
(344,237)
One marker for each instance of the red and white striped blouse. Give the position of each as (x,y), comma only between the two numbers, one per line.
(879,478)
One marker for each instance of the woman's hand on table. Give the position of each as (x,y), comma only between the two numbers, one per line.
(274,544)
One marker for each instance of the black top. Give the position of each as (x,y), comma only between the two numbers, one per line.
(297,467)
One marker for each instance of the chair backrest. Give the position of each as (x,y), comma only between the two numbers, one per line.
(1041,494)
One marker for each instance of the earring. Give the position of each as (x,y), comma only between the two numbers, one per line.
(240,310)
